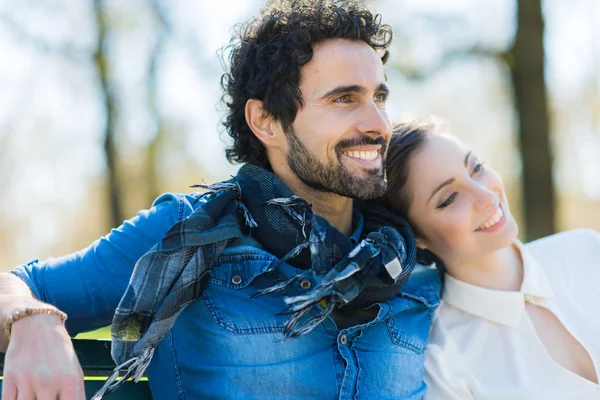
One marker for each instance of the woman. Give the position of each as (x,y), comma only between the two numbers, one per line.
(516,321)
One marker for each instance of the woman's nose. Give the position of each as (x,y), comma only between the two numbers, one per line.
(485,198)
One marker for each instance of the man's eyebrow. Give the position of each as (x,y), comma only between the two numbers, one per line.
(449,181)
(382,87)
(344,89)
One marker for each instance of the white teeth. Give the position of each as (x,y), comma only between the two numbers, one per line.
(492,221)
(363,155)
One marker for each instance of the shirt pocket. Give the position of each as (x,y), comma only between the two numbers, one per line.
(230,298)
(409,327)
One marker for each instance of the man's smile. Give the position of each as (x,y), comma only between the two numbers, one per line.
(362,155)
(366,155)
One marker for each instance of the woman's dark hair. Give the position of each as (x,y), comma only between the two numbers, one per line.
(268,52)
(407,139)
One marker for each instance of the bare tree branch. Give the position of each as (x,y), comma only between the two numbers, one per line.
(68,51)
(420,74)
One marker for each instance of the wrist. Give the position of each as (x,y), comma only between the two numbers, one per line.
(47,312)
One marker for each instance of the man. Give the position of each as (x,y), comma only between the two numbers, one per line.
(274,285)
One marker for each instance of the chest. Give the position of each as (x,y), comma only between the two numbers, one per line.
(562,344)
(230,342)
(550,355)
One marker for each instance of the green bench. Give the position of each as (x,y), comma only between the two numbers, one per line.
(96,362)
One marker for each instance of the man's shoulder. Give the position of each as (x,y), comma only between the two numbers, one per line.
(181,205)
(426,282)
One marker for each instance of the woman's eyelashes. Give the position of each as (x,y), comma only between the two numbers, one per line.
(478,168)
(450,199)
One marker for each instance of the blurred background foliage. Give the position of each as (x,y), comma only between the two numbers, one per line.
(105,104)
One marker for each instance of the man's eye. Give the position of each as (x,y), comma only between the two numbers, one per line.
(342,99)
(381,97)
(448,201)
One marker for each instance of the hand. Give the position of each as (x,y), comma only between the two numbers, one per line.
(40,362)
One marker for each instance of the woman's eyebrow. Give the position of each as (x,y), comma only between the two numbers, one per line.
(467,157)
(449,181)
(440,186)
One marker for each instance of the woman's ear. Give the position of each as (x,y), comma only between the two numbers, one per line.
(420,243)
(261,123)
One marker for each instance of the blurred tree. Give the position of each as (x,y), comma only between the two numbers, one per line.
(152,173)
(534,125)
(108,100)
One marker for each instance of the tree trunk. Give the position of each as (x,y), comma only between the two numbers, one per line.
(152,173)
(534,130)
(110,150)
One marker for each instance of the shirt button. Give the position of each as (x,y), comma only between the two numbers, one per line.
(529,298)
(236,279)
(343,339)
(305,284)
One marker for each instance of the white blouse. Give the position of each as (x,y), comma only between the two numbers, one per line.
(484,346)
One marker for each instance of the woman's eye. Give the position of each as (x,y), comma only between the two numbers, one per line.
(448,201)
(478,168)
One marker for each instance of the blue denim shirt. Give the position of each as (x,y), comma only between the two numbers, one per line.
(228,345)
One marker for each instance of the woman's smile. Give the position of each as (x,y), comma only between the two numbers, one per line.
(496,222)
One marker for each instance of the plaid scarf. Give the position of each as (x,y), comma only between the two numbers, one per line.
(175,271)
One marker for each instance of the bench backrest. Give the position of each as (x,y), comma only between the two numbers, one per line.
(94,357)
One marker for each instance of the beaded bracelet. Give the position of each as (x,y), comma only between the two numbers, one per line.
(17,315)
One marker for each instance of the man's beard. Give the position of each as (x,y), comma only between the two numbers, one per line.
(334,176)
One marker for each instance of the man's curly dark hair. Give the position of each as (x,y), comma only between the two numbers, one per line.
(268,52)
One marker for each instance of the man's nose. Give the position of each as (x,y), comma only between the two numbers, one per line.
(374,120)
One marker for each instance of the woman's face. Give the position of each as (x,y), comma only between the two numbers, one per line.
(459,208)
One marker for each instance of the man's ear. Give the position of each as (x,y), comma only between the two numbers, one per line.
(261,123)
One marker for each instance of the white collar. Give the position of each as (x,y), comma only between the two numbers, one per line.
(499,306)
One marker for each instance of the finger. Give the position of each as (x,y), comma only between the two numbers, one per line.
(72,389)
(9,389)
(25,392)
(46,394)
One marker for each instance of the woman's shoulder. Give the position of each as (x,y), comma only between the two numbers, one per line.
(568,256)
(574,243)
